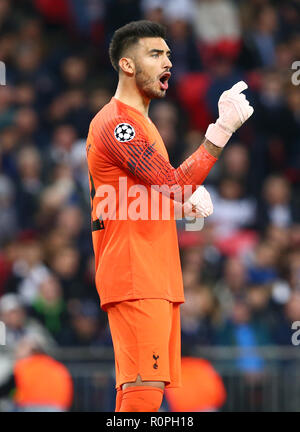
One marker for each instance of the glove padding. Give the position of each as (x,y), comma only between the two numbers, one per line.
(234,110)
(199,204)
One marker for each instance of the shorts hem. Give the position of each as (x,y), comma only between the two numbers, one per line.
(143,378)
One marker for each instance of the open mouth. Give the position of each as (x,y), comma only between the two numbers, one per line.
(163,79)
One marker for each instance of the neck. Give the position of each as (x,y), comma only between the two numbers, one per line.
(128,93)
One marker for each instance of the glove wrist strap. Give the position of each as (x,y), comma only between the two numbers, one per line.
(217,134)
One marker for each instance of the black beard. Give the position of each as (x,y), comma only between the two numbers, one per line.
(146,84)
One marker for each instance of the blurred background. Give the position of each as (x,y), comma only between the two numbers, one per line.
(241,272)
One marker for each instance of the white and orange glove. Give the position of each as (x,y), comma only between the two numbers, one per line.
(199,204)
(234,110)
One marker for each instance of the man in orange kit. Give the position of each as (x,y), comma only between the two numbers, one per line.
(138,273)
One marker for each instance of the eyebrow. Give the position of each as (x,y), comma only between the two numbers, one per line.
(159,51)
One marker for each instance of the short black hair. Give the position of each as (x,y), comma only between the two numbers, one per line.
(130,34)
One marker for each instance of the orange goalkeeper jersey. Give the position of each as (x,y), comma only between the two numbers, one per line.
(135,258)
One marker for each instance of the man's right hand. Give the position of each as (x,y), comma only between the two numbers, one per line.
(234,110)
(199,204)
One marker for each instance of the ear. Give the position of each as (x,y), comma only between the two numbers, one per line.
(126,64)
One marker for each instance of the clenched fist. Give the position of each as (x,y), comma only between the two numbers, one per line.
(199,204)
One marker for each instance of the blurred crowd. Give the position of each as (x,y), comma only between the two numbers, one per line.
(242,271)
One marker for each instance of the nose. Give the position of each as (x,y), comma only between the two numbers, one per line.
(167,62)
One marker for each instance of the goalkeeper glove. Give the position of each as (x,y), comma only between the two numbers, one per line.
(199,204)
(234,110)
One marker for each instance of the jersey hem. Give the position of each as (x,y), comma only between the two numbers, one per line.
(105,304)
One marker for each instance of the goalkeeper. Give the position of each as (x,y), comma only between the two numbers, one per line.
(138,272)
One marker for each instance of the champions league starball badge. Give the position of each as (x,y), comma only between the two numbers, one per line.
(124,132)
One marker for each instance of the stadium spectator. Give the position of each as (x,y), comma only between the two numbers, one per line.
(276,207)
(232,286)
(28,269)
(18,323)
(88,326)
(199,316)
(202,388)
(29,186)
(8,216)
(243,331)
(263,34)
(49,307)
(216,20)
(233,210)
(243,267)
(41,384)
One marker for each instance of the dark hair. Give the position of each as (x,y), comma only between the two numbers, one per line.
(130,34)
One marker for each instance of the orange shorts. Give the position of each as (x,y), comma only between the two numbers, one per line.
(147,341)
